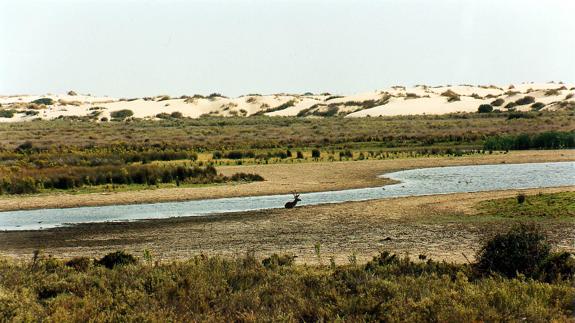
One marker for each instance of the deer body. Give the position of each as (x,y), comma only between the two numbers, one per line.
(292,204)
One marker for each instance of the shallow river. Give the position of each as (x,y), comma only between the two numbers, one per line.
(415,182)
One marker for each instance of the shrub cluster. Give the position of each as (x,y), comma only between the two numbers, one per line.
(545,140)
(76,177)
(120,115)
(485,108)
(388,288)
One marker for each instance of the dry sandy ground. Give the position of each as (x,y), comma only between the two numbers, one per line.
(402,101)
(441,227)
(282,179)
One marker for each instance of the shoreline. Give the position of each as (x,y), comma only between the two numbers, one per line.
(415,225)
(282,179)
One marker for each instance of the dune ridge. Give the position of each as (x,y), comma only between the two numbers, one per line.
(397,100)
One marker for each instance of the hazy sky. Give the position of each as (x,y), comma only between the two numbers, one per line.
(136,48)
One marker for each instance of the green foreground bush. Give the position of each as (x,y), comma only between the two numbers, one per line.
(389,288)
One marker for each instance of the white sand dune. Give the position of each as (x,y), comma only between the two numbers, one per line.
(397,100)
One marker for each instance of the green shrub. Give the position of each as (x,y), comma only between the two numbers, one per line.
(519,251)
(217,155)
(121,114)
(521,198)
(45,101)
(345,154)
(557,267)
(520,115)
(525,100)
(544,140)
(485,108)
(537,106)
(176,115)
(510,106)
(246,177)
(80,263)
(497,102)
(118,258)
(7,113)
(315,153)
(275,261)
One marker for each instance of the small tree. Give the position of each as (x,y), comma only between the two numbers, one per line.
(520,251)
(520,198)
(485,108)
(315,153)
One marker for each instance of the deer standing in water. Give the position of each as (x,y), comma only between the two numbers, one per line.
(292,204)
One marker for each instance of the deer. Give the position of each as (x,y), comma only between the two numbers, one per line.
(292,204)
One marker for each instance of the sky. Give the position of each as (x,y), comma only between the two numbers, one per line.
(130,48)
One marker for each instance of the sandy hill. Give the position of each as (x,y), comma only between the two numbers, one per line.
(397,100)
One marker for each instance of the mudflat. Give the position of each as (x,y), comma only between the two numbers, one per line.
(441,226)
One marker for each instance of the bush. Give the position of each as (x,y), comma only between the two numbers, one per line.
(79,263)
(118,258)
(497,102)
(519,251)
(45,101)
(345,154)
(557,267)
(121,114)
(537,106)
(315,153)
(525,100)
(544,140)
(510,106)
(521,198)
(520,115)
(6,113)
(246,177)
(217,155)
(299,155)
(275,261)
(176,115)
(485,108)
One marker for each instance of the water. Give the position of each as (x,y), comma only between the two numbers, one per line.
(416,182)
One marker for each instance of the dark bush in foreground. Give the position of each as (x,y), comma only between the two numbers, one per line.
(315,153)
(519,251)
(79,263)
(557,267)
(485,108)
(387,289)
(521,198)
(275,261)
(118,258)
